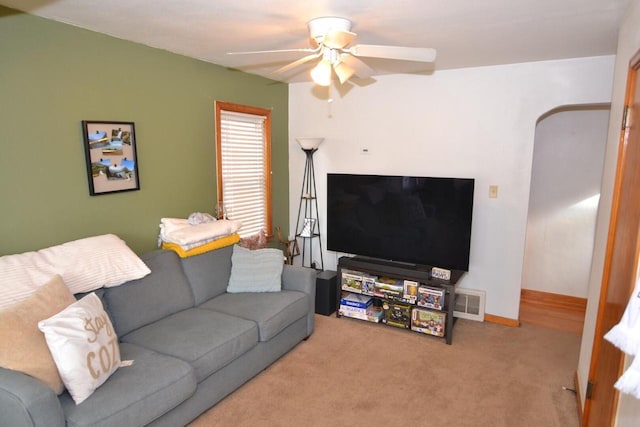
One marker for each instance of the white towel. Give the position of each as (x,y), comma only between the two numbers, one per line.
(169,225)
(179,231)
(629,382)
(626,336)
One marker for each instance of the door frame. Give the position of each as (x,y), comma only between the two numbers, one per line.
(610,396)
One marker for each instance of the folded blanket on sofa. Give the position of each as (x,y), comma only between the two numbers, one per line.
(197,249)
(180,232)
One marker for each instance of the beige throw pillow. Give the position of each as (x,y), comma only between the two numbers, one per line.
(84,346)
(22,345)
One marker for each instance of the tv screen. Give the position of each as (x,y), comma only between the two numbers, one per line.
(415,220)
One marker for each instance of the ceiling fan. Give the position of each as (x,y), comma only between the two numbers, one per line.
(331,38)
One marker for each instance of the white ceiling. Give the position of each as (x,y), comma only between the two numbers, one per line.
(466,33)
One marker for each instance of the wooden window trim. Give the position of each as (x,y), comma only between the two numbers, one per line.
(239,108)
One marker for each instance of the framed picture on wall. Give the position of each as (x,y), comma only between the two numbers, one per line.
(112,162)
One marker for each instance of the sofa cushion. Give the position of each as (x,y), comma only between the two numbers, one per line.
(208,340)
(163,292)
(272,311)
(134,395)
(208,273)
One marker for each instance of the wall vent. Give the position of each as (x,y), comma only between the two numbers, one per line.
(469,304)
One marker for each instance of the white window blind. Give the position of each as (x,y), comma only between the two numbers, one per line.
(243,160)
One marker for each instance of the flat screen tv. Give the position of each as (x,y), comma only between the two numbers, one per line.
(408,219)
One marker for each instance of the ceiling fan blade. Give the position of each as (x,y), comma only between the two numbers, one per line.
(274,51)
(419,54)
(343,71)
(297,62)
(361,69)
(338,39)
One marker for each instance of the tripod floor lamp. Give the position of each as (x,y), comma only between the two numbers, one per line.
(307,225)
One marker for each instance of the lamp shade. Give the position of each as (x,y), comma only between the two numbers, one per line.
(309,143)
(321,73)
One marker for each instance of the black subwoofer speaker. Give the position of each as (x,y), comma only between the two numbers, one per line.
(326,292)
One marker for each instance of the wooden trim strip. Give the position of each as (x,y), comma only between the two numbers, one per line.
(550,300)
(576,384)
(501,320)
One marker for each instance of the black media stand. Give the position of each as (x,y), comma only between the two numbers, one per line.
(402,306)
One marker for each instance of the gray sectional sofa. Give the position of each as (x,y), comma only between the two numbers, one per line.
(192,344)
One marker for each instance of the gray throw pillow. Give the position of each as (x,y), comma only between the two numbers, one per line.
(257,270)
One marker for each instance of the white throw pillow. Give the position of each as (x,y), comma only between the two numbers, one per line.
(257,270)
(84,346)
(84,265)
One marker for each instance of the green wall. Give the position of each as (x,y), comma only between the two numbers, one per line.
(53,75)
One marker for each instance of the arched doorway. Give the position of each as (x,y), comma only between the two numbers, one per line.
(565,187)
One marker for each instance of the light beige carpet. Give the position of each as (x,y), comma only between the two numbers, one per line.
(353,373)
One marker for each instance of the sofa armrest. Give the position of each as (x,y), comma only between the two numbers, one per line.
(303,279)
(25,401)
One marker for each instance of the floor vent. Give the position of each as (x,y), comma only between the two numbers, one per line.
(469,304)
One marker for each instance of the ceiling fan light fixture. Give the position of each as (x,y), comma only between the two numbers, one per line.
(331,38)
(321,73)
(320,27)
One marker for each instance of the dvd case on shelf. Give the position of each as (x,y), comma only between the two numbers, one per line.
(368,284)
(356,313)
(428,321)
(356,300)
(396,314)
(370,314)
(388,288)
(430,297)
(410,291)
(375,314)
(351,281)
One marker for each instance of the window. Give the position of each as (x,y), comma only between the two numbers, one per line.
(243,156)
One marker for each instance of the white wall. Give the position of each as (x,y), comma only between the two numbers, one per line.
(628,45)
(475,122)
(568,156)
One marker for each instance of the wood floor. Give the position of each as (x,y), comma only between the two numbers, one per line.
(560,312)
